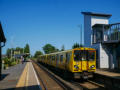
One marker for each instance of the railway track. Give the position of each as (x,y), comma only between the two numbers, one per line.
(49,81)
(88,85)
(73,84)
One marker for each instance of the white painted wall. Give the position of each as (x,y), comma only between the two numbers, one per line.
(98,20)
(104,58)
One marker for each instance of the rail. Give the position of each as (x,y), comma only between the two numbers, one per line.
(63,85)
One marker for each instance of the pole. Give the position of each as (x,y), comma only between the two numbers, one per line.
(81,34)
(80,26)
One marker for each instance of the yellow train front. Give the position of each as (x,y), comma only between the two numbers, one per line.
(75,63)
(84,62)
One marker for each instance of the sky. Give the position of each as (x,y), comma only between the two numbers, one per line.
(38,22)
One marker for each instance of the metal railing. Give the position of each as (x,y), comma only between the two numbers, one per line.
(112,36)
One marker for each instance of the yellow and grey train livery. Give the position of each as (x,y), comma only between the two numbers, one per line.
(77,63)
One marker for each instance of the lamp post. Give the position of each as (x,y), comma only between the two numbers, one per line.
(80,26)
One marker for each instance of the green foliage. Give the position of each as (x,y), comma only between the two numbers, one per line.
(9,52)
(12,50)
(76,45)
(13,63)
(37,53)
(48,48)
(10,62)
(19,49)
(27,49)
(6,61)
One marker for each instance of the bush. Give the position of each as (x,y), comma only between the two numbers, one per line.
(10,62)
(13,63)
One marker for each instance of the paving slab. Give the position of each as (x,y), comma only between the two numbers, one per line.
(11,76)
(28,79)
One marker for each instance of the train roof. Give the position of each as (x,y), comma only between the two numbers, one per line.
(81,48)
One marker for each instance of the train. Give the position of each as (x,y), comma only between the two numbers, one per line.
(74,63)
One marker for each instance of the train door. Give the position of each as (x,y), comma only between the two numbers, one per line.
(67,61)
(50,60)
(84,62)
(57,60)
(80,60)
(61,61)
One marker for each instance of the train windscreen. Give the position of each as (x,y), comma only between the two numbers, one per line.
(91,55)
(82,55)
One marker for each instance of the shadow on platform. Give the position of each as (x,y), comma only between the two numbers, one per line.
(34,87)
(3,76)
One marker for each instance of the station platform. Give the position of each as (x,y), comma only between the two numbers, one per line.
(111,80)
(108,73)
(20,77)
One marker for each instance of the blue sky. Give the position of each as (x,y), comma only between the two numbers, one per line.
(38,22)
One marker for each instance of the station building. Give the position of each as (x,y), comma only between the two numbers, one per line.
(104,37)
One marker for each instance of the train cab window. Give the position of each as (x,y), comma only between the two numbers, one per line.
(61,58)
(84,55)
(80,55)
(77,55)
(91,55)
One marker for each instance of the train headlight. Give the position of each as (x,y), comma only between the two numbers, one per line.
(76,67)
(92,66)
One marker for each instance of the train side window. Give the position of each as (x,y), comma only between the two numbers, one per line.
(61,58)
(67,57)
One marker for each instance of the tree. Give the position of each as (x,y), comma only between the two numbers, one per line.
(76,45)
(9,52)
(21,50)
(63,48)
(27,49)
(48,48)
(37,53)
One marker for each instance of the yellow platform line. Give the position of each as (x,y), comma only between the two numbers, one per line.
(27,76)
(23,81)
